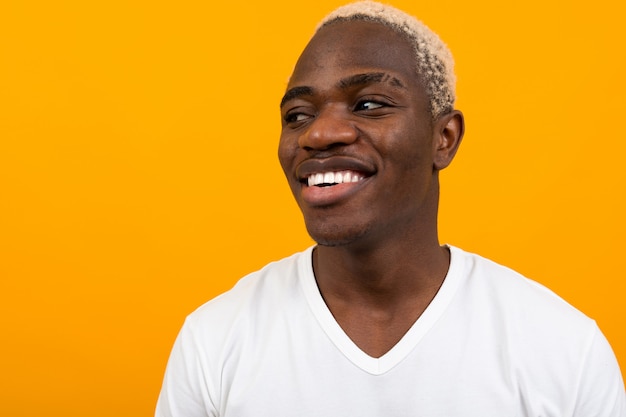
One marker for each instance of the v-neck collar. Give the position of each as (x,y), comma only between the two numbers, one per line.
(381,365)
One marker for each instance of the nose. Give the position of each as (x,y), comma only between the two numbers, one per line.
(331,127)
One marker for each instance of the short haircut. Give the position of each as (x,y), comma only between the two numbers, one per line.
(433,59)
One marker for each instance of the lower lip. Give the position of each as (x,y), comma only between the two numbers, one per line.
(326,196)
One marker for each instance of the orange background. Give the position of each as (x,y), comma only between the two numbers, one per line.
(138,172)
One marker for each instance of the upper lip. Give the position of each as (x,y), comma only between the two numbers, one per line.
(332,164)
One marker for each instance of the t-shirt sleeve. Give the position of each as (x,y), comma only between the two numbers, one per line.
(601,388)
(186,392)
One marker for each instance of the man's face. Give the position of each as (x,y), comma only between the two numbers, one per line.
(357,136)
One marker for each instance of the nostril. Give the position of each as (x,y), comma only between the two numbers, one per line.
(327,131)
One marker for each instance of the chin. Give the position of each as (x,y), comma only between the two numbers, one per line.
(336,235)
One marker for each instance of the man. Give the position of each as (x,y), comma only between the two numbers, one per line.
(379,319)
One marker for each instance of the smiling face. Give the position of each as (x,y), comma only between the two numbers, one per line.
(358,144)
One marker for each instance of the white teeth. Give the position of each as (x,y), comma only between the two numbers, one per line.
(333,178)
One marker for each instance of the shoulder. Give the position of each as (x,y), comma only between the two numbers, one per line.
(546,343)
(513,293)
(252,298)
(223,330)
(528,316)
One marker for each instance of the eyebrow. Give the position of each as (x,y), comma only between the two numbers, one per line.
(368,78)
(295,93)
(345,83)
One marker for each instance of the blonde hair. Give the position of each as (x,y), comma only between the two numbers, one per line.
(433,59)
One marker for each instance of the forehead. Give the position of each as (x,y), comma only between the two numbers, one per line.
(352,46)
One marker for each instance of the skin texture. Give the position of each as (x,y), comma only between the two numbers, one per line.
(355,103)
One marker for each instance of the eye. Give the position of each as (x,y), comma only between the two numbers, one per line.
(296,116)
(368,105)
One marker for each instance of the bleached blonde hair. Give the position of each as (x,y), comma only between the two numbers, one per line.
(434,62)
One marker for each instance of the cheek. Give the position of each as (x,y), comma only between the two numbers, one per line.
(286,153)
(408,147)
(410,169)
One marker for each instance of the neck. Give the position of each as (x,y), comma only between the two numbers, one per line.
(377,295)
(403,261)
(383,274)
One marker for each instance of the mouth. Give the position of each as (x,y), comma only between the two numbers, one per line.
(331,178)
(332,181)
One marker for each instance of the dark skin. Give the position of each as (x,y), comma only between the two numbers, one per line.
(355,104)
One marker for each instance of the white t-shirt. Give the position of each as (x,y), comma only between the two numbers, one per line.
(491,344)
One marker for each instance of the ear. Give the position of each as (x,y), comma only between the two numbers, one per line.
(448,131)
